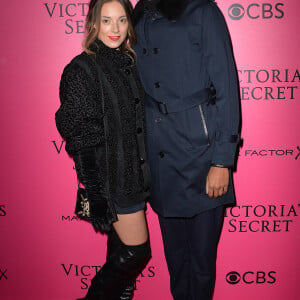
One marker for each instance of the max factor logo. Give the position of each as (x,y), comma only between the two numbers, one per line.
(256,10)
(250,277)
(58,146)
(2,211)
(70,218)
(3,275)
(298,148)
(252,153)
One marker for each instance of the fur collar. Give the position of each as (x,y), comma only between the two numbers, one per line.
(110,55)
(171,9)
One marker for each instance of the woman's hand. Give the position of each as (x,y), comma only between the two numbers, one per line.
(217,181)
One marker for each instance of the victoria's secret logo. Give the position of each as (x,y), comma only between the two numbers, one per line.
(58,145)
(72,13)
(270,85)
(261,218)
(87,272)
(2,211)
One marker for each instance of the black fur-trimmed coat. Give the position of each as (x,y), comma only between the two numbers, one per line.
(80,121)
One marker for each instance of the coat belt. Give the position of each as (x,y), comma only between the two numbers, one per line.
(206,95)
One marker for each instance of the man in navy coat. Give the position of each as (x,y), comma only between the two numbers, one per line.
(186,64)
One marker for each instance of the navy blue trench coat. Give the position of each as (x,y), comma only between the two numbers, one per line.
(187,130)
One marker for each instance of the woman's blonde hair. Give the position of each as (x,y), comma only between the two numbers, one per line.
(92,26)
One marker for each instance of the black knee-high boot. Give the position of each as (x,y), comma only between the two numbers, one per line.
(120,269)
(113,245)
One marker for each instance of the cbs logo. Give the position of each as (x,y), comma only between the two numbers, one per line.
(255,10)
(250,277)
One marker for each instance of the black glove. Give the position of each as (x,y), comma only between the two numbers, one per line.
(102,213)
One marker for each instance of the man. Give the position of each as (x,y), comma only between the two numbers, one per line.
(185,60)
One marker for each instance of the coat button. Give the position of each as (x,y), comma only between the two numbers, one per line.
(142,160)
(157,120)
(155,50)
(139,130)
(161,154)
(144,50)
(137,100)
(127,71)
(157,84)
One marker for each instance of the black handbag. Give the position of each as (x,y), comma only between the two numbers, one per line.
(82,208)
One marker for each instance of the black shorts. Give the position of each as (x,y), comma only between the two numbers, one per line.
(130,209)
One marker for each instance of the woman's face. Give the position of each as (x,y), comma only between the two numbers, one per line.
(113,24)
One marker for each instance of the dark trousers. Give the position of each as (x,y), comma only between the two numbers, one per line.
(190,246)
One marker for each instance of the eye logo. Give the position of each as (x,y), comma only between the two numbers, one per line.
(233,277)
(236,11)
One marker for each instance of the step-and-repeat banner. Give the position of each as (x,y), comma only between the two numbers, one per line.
(46,252)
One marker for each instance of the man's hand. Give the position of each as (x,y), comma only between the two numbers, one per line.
(217,181)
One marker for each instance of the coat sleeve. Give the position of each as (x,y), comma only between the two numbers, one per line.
(221,69)
(79,117)
(80,120)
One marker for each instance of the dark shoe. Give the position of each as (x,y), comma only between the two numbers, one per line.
(127,294)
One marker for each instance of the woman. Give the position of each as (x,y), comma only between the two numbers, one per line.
(101,117)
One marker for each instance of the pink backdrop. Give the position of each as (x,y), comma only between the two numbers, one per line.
(46,253)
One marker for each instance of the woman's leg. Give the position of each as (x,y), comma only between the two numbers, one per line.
(132,228)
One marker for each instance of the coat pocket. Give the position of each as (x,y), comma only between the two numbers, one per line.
(204,123)
(197,127)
